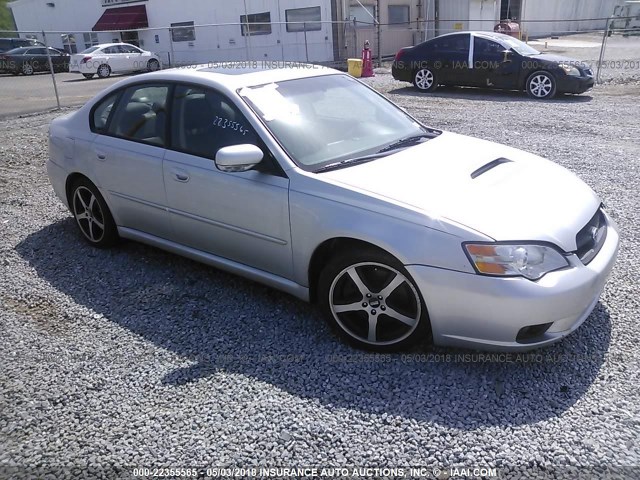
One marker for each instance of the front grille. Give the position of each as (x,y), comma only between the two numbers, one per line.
(590,239)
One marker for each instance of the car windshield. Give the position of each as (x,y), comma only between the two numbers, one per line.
(90,50)
(519,46)
(328,119)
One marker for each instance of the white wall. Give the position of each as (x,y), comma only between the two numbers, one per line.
(215,43)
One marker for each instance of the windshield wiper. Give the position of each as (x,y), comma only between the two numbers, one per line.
(405,142)
(349,162)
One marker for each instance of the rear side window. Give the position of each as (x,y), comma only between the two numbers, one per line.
(141,114)
(101,113)
(451,44)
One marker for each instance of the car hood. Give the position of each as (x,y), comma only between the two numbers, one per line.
(513,195)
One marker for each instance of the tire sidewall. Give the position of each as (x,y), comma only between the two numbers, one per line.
(553,85)
(100,69)
(150,66)
(110,236)
(421,333)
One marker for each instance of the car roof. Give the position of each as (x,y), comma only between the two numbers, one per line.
(235,75)
(477,33)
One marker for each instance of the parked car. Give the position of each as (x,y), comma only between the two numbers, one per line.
(311,182)
(28,60)
(11,43)
(109,58)
(490,60)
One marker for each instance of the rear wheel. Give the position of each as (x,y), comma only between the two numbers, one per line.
(92,214)
(372,302)
(153,65)
(541,85)
(88,76)
(425,80)
(27,68)
(104,71)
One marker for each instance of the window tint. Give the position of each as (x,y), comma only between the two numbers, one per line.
(111,50)
(38,51)
(101,113)
(141,114)
(482,46)
(204,121)
(451,43)
(128,49)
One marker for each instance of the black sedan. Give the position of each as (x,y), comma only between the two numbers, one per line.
(490,60)
(29,60)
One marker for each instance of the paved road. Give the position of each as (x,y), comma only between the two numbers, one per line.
(21,94)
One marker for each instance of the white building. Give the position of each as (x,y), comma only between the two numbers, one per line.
(248,29)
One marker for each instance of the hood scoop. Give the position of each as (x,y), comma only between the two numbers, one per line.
(489,166)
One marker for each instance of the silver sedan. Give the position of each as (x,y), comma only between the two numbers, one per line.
(311,182)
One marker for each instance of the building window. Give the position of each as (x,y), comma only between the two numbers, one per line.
(399,15)
(69,42)
(310,16)
(362,14)
(183,32)
(90,39)
(256,24)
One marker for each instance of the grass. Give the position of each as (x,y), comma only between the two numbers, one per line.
(6,20)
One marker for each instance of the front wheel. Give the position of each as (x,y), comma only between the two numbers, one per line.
(541,85)
(372,302)
(425,80)
(92,214)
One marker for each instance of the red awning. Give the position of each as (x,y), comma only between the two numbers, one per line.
(123,18)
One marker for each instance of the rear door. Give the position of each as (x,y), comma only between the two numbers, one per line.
(451,54)
(240,216)
(127,156)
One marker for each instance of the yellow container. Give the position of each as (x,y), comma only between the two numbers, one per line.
(355,67)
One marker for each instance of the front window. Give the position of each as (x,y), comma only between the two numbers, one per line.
(328,119)
(362,15)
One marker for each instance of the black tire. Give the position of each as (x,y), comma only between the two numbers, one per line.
(541,85)
(27,68)
(425,79)
(104,71)
(92,215)
(384,308)
(153,65)
(88,76)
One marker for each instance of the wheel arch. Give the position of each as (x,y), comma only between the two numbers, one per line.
(329,249)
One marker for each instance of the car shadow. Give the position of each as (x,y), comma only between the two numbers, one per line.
(484,94)
(220,322)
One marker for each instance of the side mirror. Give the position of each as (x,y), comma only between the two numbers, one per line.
(238,158)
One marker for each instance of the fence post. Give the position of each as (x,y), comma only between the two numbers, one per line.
(171,52)
(53,75)
(604,44)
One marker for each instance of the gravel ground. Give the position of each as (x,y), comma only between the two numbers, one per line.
(135,357)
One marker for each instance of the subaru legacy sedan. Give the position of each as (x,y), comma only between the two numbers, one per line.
(490,60)
(311,182)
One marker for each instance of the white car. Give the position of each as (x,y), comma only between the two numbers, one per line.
(109,58)
(311,182)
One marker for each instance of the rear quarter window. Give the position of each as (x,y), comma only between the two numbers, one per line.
(102,112)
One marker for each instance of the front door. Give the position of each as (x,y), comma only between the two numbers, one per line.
(241,216)
(494,65)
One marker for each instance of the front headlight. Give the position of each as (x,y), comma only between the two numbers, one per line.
(514,259)
(570,70)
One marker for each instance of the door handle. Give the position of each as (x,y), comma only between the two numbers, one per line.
(180,175)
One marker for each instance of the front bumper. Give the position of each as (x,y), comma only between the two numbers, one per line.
(468,310)
(570,84)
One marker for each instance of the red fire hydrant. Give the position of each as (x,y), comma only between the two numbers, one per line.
(367,62)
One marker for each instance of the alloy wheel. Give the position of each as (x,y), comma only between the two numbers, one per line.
(27,69)
(424,79)
(89,215)
(541,86)
(375,303)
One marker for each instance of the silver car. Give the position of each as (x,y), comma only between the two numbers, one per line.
(311,182)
